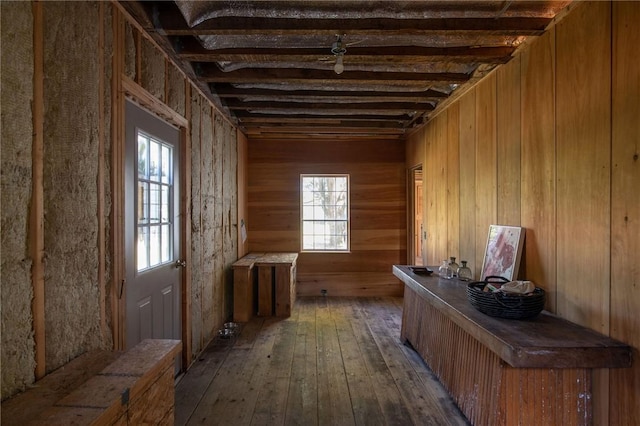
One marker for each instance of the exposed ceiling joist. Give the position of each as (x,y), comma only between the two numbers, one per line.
(276,67)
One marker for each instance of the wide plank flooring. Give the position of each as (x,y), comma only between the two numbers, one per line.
(335,361)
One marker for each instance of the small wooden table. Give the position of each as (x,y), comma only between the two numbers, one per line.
(276,287)
(504,372)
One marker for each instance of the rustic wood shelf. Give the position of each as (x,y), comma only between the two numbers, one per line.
(496,369)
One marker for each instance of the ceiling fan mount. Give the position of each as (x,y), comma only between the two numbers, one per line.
(338,50)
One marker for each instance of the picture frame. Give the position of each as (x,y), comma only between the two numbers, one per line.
(503,252)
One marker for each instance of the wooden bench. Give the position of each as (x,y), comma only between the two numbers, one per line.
(103,388)
(276,285)
(504,372)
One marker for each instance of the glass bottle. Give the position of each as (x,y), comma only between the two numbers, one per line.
(445,270)
(464,272)
(454,266)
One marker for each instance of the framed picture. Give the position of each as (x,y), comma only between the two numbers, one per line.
(503,252)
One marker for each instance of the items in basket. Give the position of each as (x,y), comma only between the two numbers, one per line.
(512,303)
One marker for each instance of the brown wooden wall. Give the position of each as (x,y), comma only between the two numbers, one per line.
(550,142)
(378,211)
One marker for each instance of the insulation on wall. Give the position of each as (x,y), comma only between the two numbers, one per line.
(130,35)
(71,120)
(16,73)
(196,229)
(176,90)
(230,197)
(208,217)
(152,74)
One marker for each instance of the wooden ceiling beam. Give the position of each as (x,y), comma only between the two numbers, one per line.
(212,74)
(191,50)
(172,24)
(229,91)
(334,115)
(234,104)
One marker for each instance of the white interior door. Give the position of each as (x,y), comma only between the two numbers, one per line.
(152,228)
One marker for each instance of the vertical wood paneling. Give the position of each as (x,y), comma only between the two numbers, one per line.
(486,167)
(467,180)
(414,149)
(538,164)
(440,186)
(583,148)
(625,208)
(508,143)
(453,180)
(378,211)
(488,391)
(430,185)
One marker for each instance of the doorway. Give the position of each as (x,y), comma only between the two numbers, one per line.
(416,233)
(152,229)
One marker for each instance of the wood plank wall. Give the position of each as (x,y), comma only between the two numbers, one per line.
(378,211)
(550,141)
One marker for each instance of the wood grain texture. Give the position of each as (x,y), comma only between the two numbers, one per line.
(488,391)
(486,163)
(625,208)
(583,159)
(453,180)
(334,361)
(546,341)
(378,206)
(265,291)
(467,181)
(538,164)
(508,133)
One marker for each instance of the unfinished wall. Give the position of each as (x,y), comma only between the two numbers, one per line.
(81,191)
(213,216)
(16,75)
(561,120)
(71,103)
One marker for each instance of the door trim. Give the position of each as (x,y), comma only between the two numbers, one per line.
(132,91)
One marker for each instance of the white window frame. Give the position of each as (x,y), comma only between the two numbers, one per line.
(347,220)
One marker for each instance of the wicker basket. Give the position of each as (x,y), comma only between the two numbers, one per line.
(503,305)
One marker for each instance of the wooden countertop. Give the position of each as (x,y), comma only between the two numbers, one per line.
(266,259)
(546,341)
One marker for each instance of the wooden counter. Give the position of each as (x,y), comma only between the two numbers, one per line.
(504,371)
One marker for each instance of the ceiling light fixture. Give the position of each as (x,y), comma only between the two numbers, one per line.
(338,50)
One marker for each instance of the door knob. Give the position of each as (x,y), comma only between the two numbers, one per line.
(180,263)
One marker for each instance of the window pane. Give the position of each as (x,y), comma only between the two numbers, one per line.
(165,205)
(154,203)
(154,161)
(143,202)
(154,245)
(143,248)
(325,212)
(143,164)
(166,164)
(165,254)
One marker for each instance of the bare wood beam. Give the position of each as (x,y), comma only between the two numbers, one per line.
(172,24)
(234,104)
(336,115)
(212,74)
(228,91)
(191,50)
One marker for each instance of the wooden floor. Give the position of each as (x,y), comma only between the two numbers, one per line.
(335,361)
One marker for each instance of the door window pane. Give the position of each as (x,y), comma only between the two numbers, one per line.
(154,198)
